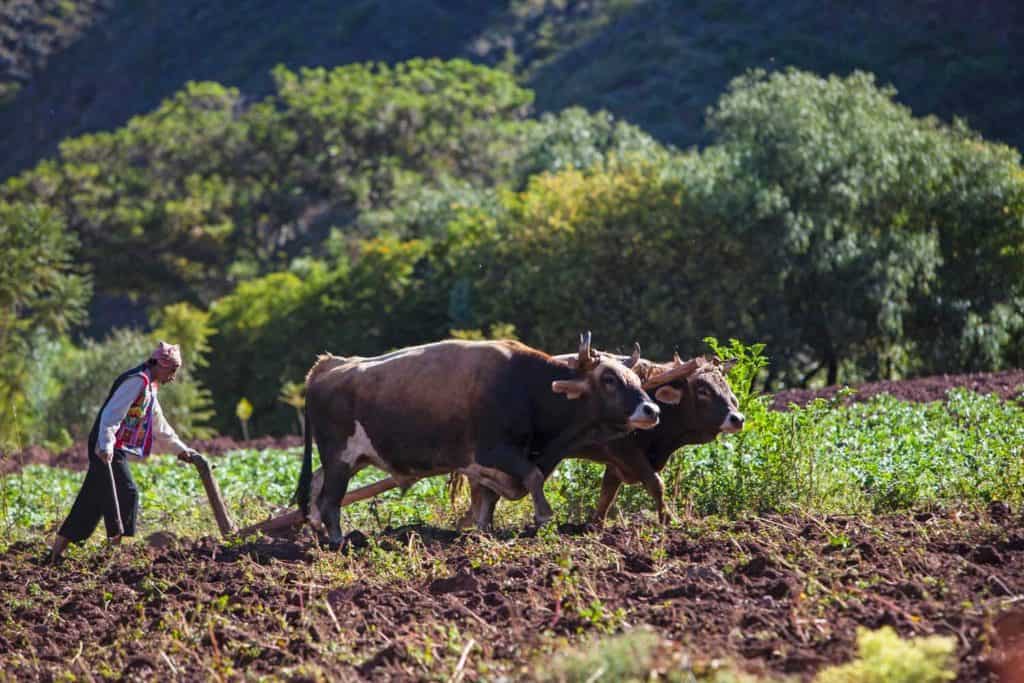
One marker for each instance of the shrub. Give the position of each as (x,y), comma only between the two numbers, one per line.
(883,657)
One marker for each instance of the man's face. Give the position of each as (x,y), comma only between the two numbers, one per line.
(164,373)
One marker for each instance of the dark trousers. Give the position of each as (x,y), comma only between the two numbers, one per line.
(95,500)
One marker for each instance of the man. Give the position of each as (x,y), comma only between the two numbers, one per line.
(129,423)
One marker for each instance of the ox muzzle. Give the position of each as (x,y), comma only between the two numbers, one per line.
(733,422)
(645,416)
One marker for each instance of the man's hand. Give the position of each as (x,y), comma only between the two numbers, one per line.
(186,455)
(105,458)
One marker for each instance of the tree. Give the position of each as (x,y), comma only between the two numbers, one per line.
(626,250)
(836,178)
(270,330)
(41,290)
(215,189)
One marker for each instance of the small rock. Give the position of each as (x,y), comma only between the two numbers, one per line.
(999,511)
(161,539)
(986,554)
(756,567)
(454,584)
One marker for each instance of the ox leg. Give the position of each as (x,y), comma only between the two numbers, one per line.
(469,517)
(513,461)
(336,476)
(655,487)
(542,512)
(483,508)
(610,486)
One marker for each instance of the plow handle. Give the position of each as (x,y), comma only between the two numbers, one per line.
(113,494)
(224,522)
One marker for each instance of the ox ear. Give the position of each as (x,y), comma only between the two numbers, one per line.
(729,364)
(669,395)
(572,388)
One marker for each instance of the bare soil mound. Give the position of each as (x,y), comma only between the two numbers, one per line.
(781,594)
(1008,385)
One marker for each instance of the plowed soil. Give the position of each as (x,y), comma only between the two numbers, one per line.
(778,595)
(1008,385)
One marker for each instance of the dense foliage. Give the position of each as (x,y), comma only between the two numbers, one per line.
(369,207)
(877,457)
(42,293)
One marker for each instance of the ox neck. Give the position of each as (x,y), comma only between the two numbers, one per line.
(554,414)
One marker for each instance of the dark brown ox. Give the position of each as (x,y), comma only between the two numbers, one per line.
(696,406)
(477,408)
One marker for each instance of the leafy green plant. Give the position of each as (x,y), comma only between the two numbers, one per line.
(884,657)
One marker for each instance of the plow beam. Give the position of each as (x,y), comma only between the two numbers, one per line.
(283,524)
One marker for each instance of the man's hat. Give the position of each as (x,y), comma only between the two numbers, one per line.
(167,355)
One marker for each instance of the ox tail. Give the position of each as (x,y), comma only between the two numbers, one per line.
(455,483)
(302,492)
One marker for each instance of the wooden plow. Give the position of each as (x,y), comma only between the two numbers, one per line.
(285,524)
(281,524)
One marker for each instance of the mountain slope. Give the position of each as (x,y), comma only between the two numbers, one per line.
(657,63)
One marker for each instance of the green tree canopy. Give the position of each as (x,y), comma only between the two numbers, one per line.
(211,189)
(41,291)
(862,210)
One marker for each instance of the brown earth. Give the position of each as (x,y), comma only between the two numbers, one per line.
(1007,385)
(778,595)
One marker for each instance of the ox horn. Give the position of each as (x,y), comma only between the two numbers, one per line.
(635,358)
(676,360)
(680,370)
(587,358)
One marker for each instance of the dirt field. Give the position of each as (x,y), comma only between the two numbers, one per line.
(776,595)
(779,594)
(1008,385)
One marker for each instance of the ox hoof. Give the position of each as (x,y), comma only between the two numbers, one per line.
(345,543)
(542,518)
(668,517)
(542,514)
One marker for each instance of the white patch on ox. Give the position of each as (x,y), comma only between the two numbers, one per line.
(359,447)
(731,426)
(357,454)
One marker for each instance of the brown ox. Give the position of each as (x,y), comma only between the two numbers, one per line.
(696,406)
(477,408)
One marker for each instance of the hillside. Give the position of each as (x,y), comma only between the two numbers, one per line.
(68,68)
